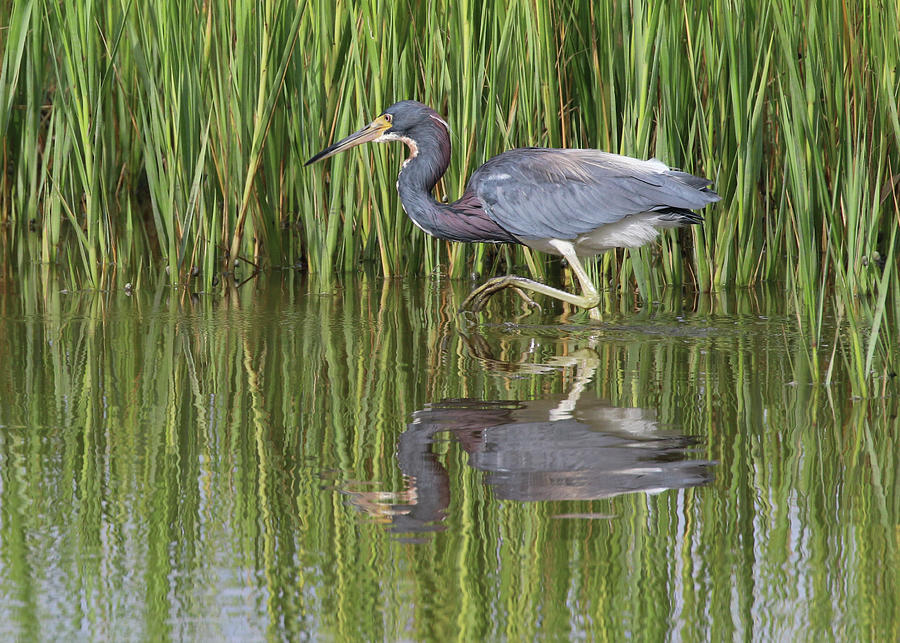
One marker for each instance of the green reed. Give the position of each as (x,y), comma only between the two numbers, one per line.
(136,136)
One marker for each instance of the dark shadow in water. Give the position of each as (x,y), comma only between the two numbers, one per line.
(571,447)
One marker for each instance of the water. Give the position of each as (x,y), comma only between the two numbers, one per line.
(361,464)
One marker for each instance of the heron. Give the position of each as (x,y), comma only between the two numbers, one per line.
(569,202)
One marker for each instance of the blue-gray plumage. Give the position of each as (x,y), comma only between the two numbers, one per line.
(570,202)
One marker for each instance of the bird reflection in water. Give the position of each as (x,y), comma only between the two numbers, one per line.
(563,448)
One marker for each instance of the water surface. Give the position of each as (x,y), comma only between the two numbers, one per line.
(287,461)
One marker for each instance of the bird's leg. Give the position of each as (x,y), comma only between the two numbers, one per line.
(587,286)
(590,299)
(478,297)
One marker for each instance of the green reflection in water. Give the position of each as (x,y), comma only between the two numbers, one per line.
(177,467)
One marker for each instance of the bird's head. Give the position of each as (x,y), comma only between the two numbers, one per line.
(408,121)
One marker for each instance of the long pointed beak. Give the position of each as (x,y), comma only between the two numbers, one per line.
(368,133)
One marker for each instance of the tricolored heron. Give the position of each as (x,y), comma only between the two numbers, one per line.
(569,202)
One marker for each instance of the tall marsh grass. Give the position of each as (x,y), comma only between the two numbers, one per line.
(138,135)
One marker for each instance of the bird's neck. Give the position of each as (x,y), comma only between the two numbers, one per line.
(429,156)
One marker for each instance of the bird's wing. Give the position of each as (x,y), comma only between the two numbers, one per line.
(562,193)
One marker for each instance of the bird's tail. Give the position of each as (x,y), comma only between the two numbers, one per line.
(676,217)
(707,195)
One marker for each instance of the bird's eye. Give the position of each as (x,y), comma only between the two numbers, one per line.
(389,118)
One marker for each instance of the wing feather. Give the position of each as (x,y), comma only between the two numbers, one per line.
(537,193)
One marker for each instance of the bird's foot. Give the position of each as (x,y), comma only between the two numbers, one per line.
(478,297)
(530,305)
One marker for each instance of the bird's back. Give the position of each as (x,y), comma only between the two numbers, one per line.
(569,194)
